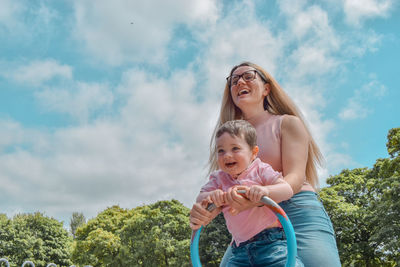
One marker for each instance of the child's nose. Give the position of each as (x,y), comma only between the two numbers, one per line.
(227,155)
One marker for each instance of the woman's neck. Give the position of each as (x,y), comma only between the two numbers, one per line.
(255,116)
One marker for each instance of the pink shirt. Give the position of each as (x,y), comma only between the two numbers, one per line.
(269,137)
(248,223)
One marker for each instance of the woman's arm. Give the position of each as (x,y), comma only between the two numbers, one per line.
(199,215)
(295,141)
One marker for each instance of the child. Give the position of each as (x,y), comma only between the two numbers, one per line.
(258,238)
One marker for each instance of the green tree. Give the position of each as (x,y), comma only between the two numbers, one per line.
(387,199)
(214,240)
(157,235)
(98,243)
(364,207)
(77,220)
(34,237)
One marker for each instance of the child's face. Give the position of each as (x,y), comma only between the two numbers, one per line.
(234,155)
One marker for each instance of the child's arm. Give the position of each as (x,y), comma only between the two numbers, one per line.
(278,192)
(216,196)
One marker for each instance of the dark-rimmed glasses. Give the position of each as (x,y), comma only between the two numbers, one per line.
(247,76)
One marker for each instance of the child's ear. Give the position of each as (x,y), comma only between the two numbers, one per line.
(255,152)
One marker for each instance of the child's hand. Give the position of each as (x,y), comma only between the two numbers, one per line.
(217,197)
(237,202)
(256,192)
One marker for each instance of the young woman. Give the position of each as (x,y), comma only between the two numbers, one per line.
(286,144)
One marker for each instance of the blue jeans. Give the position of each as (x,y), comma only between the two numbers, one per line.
(316,243)
(267,248)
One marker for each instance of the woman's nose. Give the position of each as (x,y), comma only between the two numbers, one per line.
(241,80)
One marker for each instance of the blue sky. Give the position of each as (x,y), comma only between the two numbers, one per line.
(113,102)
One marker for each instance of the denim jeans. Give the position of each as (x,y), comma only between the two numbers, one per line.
(316,243)
(267,248)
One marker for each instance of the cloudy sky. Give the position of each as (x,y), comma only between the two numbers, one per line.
(113,102)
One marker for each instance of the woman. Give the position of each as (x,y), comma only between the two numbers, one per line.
(286,144)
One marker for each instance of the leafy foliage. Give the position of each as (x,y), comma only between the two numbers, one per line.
(153,235)
(214,240)
(34,237)
(157,235)
(364,207)
(97,243)
(77,220)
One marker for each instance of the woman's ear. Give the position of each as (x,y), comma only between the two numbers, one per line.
(254,152)
(267,89)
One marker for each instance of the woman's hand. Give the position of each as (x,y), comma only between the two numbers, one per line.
(238,202)
(256,192)
(200,216)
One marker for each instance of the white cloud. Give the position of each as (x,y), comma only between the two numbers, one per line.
(155,148)
(315,41)
(125,31)
(357,106)
(357,11)
(238,37)
(154,142)
(8,13)
(81,101)
(37,72)
(11,133)
(354,110)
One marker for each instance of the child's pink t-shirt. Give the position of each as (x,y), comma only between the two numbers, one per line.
(248,223)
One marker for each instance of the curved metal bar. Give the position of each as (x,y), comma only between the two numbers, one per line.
(28,262)
(51,265)
(194,248)
(287,228)
(5,261)
(283,219)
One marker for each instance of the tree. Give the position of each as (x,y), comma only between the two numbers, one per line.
(153,235)
(387,202)
(364,207)
(157,235)
(77,220)
(214,240)
(34,237)
(98,243)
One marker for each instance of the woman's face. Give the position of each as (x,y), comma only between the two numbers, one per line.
(246,91)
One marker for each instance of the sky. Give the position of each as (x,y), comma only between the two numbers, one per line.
(108,103)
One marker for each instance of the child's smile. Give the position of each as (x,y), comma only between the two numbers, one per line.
(234,154)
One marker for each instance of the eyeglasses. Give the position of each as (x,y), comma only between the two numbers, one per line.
(247,76)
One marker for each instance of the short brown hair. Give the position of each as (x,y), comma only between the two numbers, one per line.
(239,128)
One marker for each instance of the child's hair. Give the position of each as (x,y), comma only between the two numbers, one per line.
(239,128)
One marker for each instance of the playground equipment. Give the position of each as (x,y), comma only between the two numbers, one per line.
(283,219)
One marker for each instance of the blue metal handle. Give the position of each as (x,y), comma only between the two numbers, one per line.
(283,219)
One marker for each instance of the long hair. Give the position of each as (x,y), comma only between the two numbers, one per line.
(277,102)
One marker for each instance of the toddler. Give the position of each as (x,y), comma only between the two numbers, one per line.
(258,237)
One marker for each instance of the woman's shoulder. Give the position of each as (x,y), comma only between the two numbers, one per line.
(292,124)
(290,119)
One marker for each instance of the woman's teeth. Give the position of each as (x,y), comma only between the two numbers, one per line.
(243,92)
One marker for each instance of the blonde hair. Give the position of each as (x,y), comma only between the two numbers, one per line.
(277,102)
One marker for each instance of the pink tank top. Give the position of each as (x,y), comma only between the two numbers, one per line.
(268,127)
(269,140)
